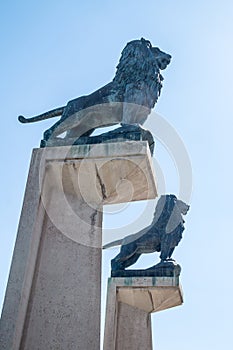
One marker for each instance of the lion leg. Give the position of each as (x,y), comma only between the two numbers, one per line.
(51,131)
(166,250)
(120,263)
(132,260)
(127,256)
(170,253)
(116,263)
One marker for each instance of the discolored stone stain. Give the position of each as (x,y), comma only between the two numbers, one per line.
(93,221)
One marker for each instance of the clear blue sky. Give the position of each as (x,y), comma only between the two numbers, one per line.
(53,51)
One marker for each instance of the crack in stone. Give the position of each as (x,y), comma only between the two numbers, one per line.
(102,186)
(151,299)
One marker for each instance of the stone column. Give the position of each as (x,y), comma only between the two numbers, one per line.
(130,302)
(53,294)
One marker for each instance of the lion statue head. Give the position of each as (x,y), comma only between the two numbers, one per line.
(168,213)
(138,79)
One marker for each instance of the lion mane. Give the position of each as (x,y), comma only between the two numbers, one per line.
(127,99)
(138,76)
(162,235)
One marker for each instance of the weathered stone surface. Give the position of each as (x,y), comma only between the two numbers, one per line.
(64,308)
(23,262)
(123,172)
(130,301)
(53,294)
(150,294)
(133,329)
(50,303)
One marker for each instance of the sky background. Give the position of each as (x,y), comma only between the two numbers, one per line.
(54,51)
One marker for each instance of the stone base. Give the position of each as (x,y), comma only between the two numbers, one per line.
(163,269)
(130,301)
(54,290)
(133,329)
(121,134)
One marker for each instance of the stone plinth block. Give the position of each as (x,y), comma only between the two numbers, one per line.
(53,294)
(130,302)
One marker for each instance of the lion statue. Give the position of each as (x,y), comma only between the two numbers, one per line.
(162,235)
(127,99)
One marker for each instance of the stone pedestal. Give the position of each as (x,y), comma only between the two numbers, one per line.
(130,302)
(53,294)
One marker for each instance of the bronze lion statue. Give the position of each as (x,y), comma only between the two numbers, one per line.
(127,99)
(162,235)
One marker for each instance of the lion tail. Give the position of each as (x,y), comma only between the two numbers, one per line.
(113,244)
(51,114)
